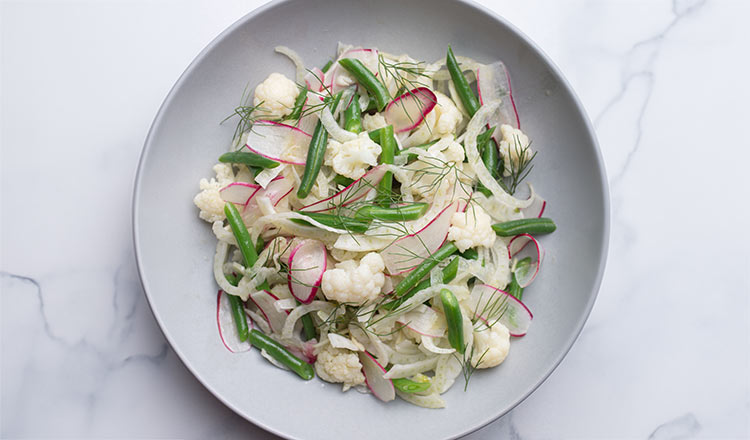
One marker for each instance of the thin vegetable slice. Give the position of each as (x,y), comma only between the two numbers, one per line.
(265,300)
(357,190)
(493,83)
(276,191)
(409,110)
(238,193)
(314,79)
(492,305)
(519,248)
(423,320)
(270,139)
(227,327)
(381,387)
(368,57)
(307,262)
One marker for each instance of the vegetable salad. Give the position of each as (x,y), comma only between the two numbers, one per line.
(367,224)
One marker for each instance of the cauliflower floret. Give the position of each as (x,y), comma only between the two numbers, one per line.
(277,94)
(454,153)
(513,147)
(352,158)
(355,283)
(448,116)
(339,365)
(471,228)
(373,122)
(209,200)
(491,346)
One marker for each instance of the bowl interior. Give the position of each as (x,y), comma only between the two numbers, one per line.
(175,249)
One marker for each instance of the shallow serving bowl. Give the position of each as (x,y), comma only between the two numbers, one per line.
(175,249)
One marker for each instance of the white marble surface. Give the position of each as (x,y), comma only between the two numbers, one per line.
(664,355)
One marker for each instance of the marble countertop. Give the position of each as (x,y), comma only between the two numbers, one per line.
(664,355)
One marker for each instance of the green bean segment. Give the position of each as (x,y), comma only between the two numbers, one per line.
(299,104)
(248,158)
(281,354)
(396,214)
(389,147)
(353,116)
(238,311)
(350,224)
(375,135)
(342,180)
(449,274)
(453,317)
(468,99)
(532,226)
(315,154)
(409,386)
(244,242)
(424,268)
(363,76)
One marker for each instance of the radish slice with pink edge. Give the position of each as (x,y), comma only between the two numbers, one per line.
(409,110)
(314,79)
(422,320)
(269,139)
(307,262)
(239,192)
(309,118)
(279,188)
(368,57)
(265,300)
(536,208)
(492,305)
(407,252)
(493,83)
(375,379)
(227,327)
(355,191)
(306,352)
(519,249)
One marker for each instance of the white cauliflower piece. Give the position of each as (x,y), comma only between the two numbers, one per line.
(373,122)
(448,116)
(513,147)
(277,94)
(338,365)
(352,158)
(491,346)
(454,153)
(209,200)
(471,229)
(355,283)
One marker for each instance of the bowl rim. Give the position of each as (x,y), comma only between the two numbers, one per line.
(555,72)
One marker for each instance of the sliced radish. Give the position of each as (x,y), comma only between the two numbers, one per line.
(309,118)
(368,57)
(355,191)
(407,252)
(265,301)
(307,262)
(422,320)
(491,305)
(306,351)
(239,192)
(375,379)
(276,191)
(409,110)
(227,326)
(493,83)
(314,79)
(269,139)
(536,209)
(518,248)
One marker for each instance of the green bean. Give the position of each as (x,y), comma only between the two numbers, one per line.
(389,147)
(525,226)
(264,286)
(490,155)
(409,386)
(449,274)
(238,311)
(363,76)
(248,158)
(355,225)
(470,254)
(299,103)
(244,242)
(307,326)
(372,106)
(259,245)
(398,214)
(327,66)
(353,116)
(375,135)
(315,154)
(514,288)
(468,99)
(281,354)
(455,322)
(341,180)
(424,268)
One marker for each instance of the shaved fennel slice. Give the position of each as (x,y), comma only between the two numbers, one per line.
(429,344)
(333,128)
(297,313)
(447,370)
(433,401)
(361,243)
(305,231)
(296,59)
(339,341)
(405,370)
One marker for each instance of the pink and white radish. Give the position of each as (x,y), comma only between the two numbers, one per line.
(238,193)
(519,249)
(409,110)
(368,57)
(407,252)
(492,305)
(314,79)
(265,301)
(276,191)
(227,327)
(270,139)
(307,262)
(305,351)
(375,379)
(493,83)
(424,321)
(355,191)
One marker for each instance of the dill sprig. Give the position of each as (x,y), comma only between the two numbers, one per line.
(408,75)
(467,367)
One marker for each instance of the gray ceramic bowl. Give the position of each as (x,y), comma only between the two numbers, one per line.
(175,249)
